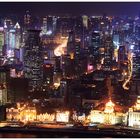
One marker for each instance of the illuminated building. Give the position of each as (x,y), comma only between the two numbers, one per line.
(108,116)
(57,75)
(122,57)
(45,117)
(48,74)
(33,60)
(12,39)
(49,26)
(77,49)
(136,61)
(9,38)
(1,40)
(95,46)
(134,114)
(79,117)
(3,95)
(13,73)
(21,51)
(50,23)
(96,116)
(4,76)
(44,28)
(27,20)
(5,34)
(108,53)
(85,21)
(17,36)
(71,43)
(67,66)
(21,113)
(54,24)
(62,116)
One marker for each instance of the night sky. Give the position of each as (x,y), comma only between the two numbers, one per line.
(74,8)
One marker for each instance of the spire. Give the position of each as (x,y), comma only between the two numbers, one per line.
(17,26)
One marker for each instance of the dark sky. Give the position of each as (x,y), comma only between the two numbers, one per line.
(75,8)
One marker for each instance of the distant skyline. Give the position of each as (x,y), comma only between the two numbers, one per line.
(74,8)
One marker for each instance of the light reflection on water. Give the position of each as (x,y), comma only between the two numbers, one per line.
(23,135)
(16,135)
(44,135)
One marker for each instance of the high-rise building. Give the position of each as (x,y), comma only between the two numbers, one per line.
(136,61)
(85,21)
(17,36)
(44,27)
(54,23)
(50,23)
(108,53)
(71,43)
(33,61)
(1,39)
(4,76)
(95,43)
(27,20)
(122,57)
(12,39)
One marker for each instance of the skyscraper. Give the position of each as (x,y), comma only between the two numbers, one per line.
(44,27)
(27,19)
(108,53)
(1,39)
(136,61)
(17,36)
(33,62)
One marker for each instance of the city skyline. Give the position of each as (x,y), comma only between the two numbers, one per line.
(72,67)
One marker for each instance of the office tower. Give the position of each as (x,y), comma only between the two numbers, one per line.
(108,53)
(54,24)
(94,47)
(44,27)
(122,57)
(136,61)
(12,39)
(27,20)
(50,23)
(71,43)
(85,21)
(33,61)
(1,40)
(4,76)
(95,43)
(77,49)
(47,74)
(17,36)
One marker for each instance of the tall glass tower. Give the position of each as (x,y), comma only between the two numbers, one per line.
(33,61)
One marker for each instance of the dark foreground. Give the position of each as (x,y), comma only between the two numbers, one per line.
(36,132)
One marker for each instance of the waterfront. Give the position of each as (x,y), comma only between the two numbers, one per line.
(83,132)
